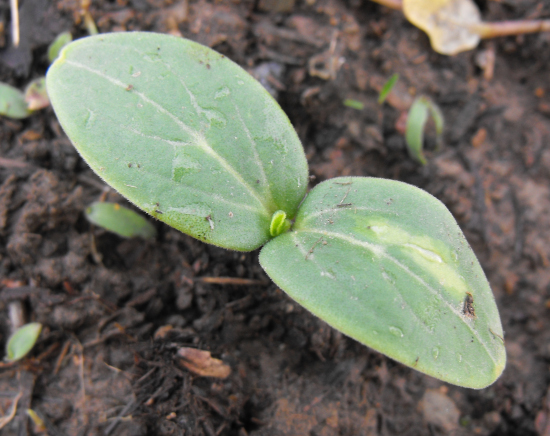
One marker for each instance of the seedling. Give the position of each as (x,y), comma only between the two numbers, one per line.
(417,117)
(58,43)
(12,102)
(120,220)
(192,139)
(36,96)
(22,341)
(419,113)
(455,26)
(16,104)
(354,104)
(388,86)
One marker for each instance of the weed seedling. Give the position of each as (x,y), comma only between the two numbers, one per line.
(12,102)
(419,113)
(120,220)
(16,104)
(388,86)
(192,139)
(22,341)
(58,43)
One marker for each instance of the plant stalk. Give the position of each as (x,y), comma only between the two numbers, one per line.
(508,28)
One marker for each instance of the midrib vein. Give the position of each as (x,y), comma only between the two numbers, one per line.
(312,259)
(198,137)
(381,252)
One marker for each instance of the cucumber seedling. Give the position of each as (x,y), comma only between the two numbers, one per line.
(192,139)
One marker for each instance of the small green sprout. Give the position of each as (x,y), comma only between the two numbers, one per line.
(279,223)
(39,425)
(12,102)
(59,42)
(18,105)
(192,139)
(388,86)
(120,220)
(22,341)
(354,104)
(419,112)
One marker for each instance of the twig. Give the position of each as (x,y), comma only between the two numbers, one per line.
(14,22)
(230,281)
(79,360)
(507,28)
(126,410)
(61,357)
(12,163)
(5,420)
(47,351)
(16,314)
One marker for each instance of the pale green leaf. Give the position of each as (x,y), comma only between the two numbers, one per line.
(12,102)
(182,132)
(120,220)
(386,263)
(279,223)
(354,104)
(439,121)
(417,118)
(59,42)
(22,341)
(414,132)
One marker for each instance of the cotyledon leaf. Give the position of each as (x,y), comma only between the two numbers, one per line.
(182,132)
(120,220)
(387,264)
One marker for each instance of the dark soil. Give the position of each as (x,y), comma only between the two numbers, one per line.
(104,363)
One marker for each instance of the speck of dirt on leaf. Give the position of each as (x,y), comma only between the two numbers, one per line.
(468,309)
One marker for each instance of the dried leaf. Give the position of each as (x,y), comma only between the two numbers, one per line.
(36,96)
(450,24)
(202,363)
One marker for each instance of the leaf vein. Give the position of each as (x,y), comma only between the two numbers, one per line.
(198,137)
(381,252)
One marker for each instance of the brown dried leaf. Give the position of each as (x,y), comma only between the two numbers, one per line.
(450,24)
(201,363)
